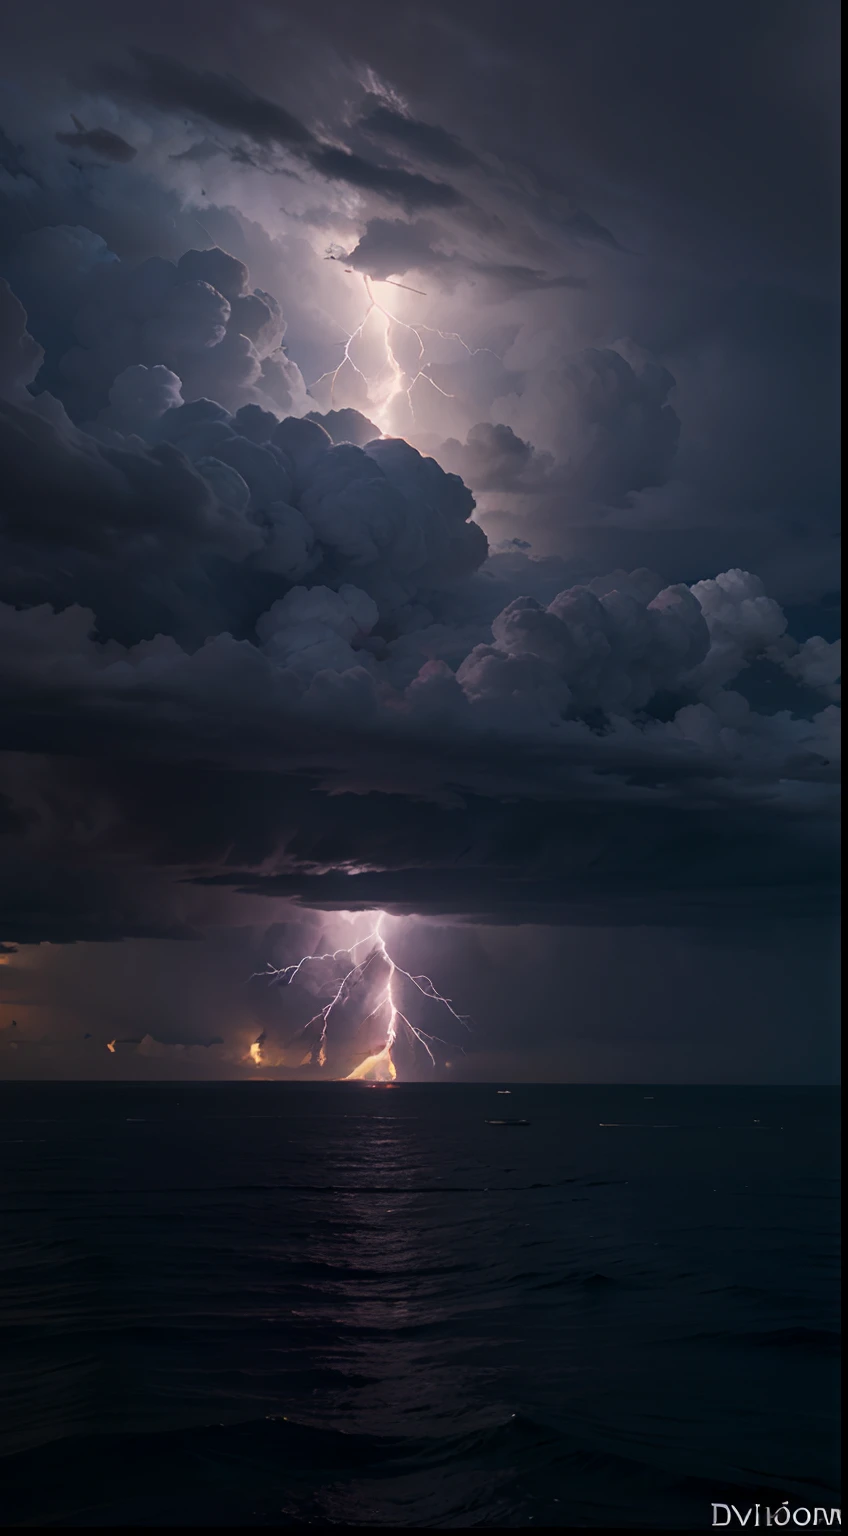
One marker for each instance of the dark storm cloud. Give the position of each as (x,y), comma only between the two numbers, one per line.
(426,140)
(126,491)
(595,898)
(616,429)
(172,86)
(393,718)
(551,701)
(493,457)
(112,523)
(522,860)
(405,187)
(204,522)
(49,896)
(61,904)
(393,247)
(137,521)
(557,88)
(347,426)
(204,150)
(377,531)
(97,317)
(101,141)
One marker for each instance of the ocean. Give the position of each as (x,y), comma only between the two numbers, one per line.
(291,1304)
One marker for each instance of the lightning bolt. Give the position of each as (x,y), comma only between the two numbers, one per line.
(379,1065)
(393,380)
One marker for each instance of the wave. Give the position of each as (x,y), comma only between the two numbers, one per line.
(233,1473)
(285,1472)
(201,1466)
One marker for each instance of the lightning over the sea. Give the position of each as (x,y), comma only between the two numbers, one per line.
(366,958)
(392,380)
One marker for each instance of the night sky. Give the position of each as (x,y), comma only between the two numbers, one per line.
(516,618)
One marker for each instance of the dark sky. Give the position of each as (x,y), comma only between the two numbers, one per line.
(515,618)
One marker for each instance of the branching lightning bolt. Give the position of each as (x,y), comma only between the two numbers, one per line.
(397,376)
(381,1063)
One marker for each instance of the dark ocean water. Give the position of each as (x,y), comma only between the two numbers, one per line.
(289,1304)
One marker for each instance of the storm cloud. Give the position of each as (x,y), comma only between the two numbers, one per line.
(331,578)
(170,85)
(485,571)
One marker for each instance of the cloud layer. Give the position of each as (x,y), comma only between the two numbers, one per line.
(237,587)
(494,642)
